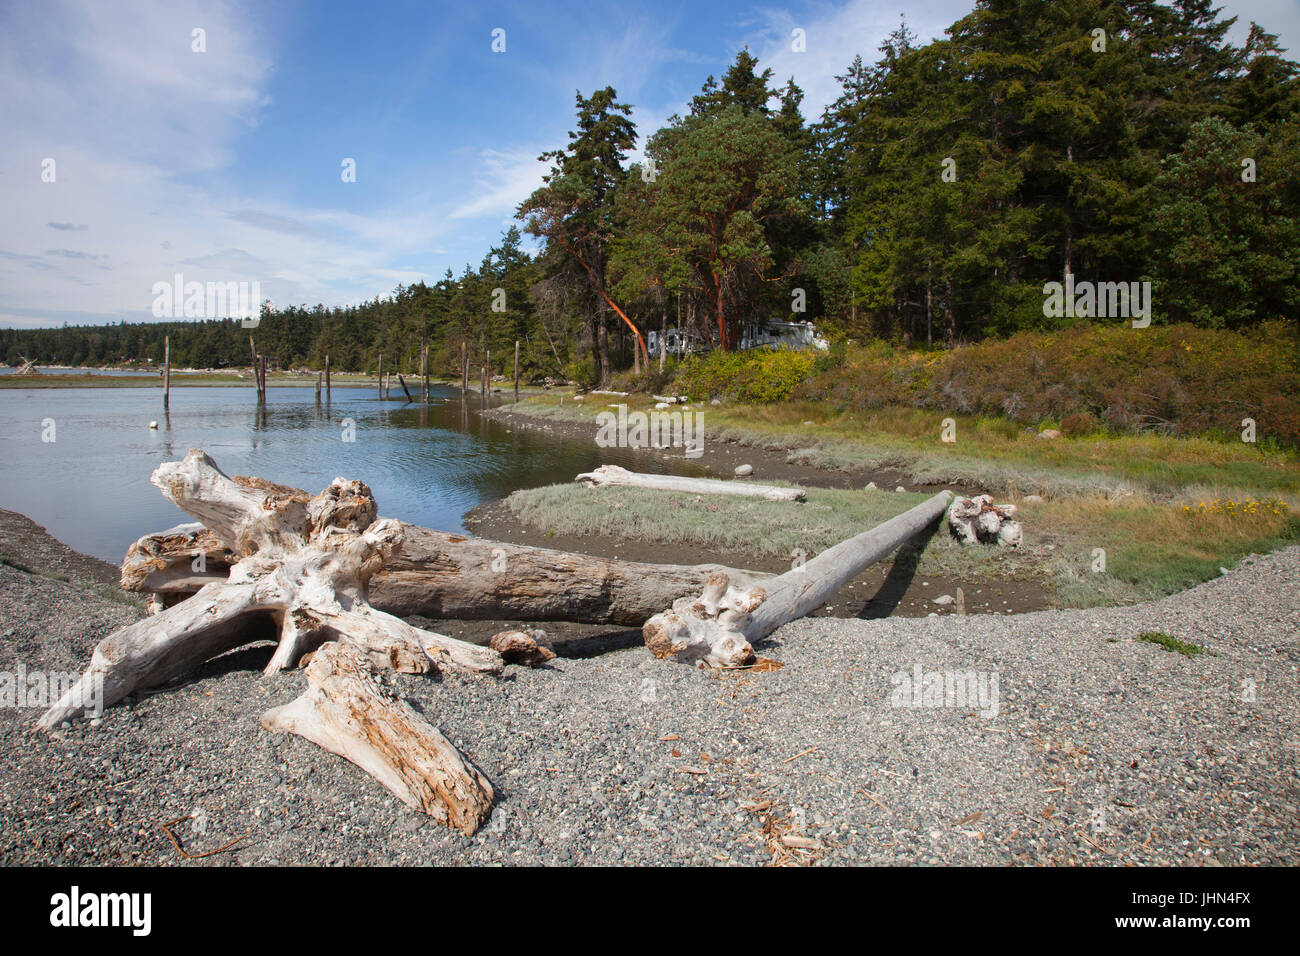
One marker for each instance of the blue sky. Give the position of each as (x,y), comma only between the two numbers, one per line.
(225,165)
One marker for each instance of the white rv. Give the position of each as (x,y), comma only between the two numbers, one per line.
(775,335)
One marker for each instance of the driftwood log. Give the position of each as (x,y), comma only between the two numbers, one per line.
(305,562)
(448,576)
(346,711)
(718,628)
(614,475)
(978,519)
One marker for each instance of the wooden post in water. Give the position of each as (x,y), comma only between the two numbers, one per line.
(327,377)
(381,376)
(402,382)
(487,361)
(516,370)
(167,370)
(318,380)
(464,368)
(257,372)
(262,380)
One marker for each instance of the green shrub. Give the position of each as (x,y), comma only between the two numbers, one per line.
(650,381)
(582,371)
(757,376)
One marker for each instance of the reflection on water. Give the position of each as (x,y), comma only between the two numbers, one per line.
(427,464)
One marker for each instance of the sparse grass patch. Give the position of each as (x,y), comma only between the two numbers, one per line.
(1150,548)
(716,523)
(1171,643)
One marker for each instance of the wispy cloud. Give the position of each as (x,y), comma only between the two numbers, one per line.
(506,178)
(834,35)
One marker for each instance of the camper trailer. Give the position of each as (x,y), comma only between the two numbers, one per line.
(782,335)
(774,335)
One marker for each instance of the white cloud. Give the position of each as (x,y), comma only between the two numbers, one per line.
(834,34)
(505,179)
(141,129)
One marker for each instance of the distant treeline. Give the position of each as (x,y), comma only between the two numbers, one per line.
(1114,141)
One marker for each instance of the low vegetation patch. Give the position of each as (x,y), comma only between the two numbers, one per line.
(758,376)
(1171,643)
(1168,380)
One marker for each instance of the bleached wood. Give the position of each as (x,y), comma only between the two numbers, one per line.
(303,561)
(157,649)
(615,475)
(717,628)
(348,712)
(530,647)
(978,519)
(439,574)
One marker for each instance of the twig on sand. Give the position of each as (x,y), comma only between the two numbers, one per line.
(800,754)
(166,827)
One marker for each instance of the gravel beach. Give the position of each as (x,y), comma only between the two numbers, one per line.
(1093,747)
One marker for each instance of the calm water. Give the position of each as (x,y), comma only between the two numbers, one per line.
(428,465)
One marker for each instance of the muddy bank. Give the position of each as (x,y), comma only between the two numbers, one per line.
(721,456)
(892,588)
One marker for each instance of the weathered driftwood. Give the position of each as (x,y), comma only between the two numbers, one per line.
(717,628)
(303,561)
(531,647)
(450,576)
(614,475)
(348,712)
(979,519)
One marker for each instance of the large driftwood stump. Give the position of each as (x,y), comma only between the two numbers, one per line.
(717,629)
(442,575)
(614,475)
(303,561)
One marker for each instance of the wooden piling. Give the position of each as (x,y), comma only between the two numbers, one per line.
(327,377)
(516,370)
(381,376)
(167,370)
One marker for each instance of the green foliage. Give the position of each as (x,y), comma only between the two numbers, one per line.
(1170,643)
(1178,379)
(759,376)
(1112,166)
(1224,248)
(583,372)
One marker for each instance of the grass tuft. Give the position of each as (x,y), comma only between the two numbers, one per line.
(1171,643)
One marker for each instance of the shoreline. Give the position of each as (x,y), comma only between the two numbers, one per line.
(1090,724)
